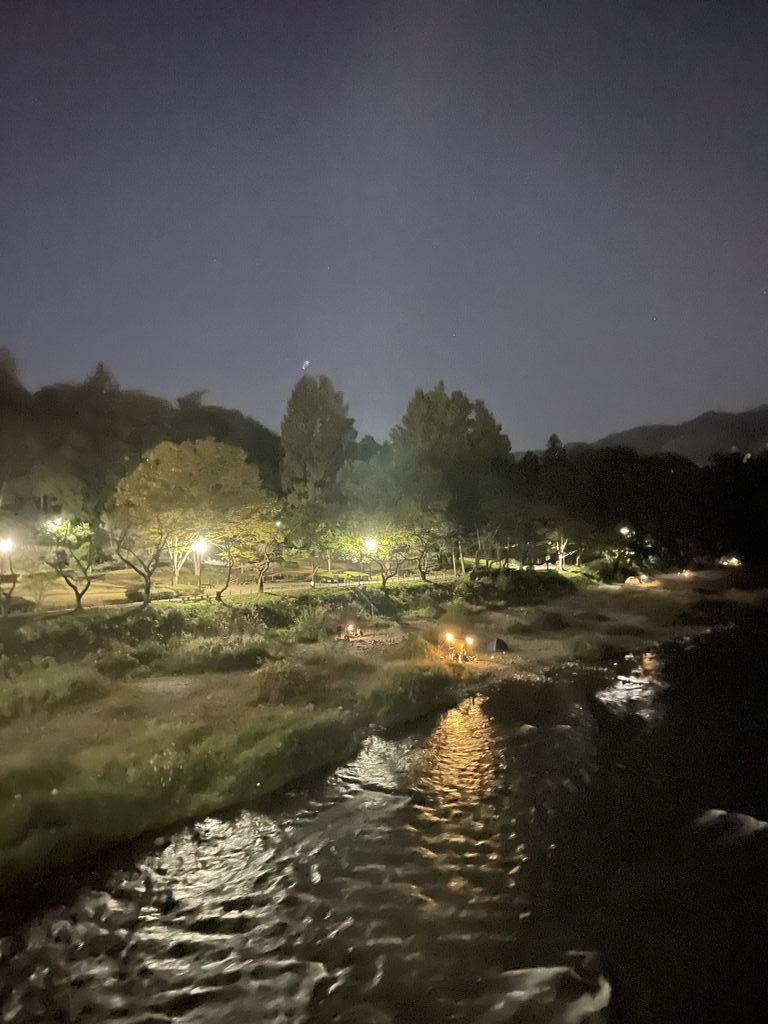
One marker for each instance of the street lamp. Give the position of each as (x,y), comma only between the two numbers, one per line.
(199,548)
(7,579)
(625,531)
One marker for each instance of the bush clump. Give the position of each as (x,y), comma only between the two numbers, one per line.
(509,586)
(44,688)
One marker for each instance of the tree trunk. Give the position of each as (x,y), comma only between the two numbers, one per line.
(219,593)
(453,559)
(147,590)
(461,560)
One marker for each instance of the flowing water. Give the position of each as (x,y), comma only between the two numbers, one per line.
(423,881)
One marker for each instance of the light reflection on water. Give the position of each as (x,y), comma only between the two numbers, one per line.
(399,889)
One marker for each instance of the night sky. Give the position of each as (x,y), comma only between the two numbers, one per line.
(559,207)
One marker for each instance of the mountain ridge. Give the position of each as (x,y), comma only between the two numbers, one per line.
(697,439)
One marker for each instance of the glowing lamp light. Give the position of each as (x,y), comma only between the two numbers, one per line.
(351,627)
(6,545)
(449,638)
(58,521)
(732,561)
(625,531)
(200,546)
(370,545)
(470,641)
(278,523)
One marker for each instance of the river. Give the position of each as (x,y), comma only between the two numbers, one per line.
(436,876)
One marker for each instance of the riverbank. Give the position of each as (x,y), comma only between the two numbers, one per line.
(145,752)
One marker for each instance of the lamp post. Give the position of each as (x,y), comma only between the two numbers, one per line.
(371,546)
(8,577)
(199,548)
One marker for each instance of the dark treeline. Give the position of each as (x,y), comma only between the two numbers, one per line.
(67,445)
(95,469)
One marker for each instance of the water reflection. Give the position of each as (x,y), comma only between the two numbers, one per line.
(462,759)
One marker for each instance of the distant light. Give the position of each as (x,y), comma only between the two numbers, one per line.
(351,627)
(200,546)
(625,531)
(370,545)
(6,545)
(58,520)
(470,640)
(449,638)
(278,523)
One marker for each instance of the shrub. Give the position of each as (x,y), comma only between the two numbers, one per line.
(49,687)
(161,594)
(508,586)
(311,624)
(21,605)
(405,692)
(549,621)
(116,662)
(209,654)
(282,682)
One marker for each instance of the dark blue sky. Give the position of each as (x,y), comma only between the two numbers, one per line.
(559,207)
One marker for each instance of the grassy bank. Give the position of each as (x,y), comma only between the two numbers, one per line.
(148,753)
(47,662)
(115,723)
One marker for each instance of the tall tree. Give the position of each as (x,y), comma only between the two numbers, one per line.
(17,428)
(457,437)
(318,437)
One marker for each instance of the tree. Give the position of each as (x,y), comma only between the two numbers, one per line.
(391,487)
(197,418)
(312,527)
(72,559)
(429,534)
(184,491)
(555,448)
(95,432)
(250,535)
(318,437)
(16,427)
(459,439)
(139,544)
(386,546)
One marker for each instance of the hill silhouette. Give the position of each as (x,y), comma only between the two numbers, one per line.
(700,438)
